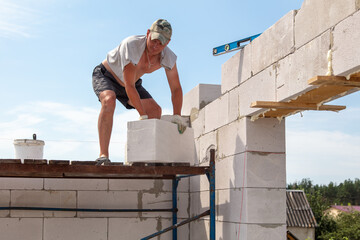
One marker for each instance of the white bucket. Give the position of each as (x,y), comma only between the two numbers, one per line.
(28,149)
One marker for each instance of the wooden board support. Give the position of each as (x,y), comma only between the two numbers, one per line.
(335,80)
(328,88)
(33,169)
(296,106)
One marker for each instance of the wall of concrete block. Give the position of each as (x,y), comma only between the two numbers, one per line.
(250,156)
(92,194)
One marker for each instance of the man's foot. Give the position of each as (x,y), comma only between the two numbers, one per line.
(103,161)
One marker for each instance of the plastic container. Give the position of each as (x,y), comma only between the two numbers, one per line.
(28,149)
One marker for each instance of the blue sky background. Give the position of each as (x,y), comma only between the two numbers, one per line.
(48,49)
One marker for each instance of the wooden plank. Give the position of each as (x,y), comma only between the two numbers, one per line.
(16,161)
(57,162)
(335,80)
(83,162)
(35,161)
(295,106)
(92,171)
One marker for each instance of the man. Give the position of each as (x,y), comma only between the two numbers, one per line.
(119,77)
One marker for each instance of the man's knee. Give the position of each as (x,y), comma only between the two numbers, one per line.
(108,101)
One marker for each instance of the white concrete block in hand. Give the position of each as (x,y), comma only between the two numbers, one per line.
(156,140)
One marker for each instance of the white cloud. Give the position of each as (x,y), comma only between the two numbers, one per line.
(17,19)
(323,148)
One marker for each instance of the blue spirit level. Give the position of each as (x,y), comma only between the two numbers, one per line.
(233,45)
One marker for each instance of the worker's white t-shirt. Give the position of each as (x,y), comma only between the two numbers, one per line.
(130,50)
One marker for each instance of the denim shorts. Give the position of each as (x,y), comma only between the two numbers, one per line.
(103,80)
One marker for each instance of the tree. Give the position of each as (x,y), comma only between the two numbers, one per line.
(347,226)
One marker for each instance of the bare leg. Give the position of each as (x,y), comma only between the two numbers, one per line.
(152,109)
(105,122)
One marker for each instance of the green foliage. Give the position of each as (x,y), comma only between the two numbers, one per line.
(321,197)
(347,227)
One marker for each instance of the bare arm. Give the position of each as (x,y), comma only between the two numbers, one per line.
(129,80)
(176,90)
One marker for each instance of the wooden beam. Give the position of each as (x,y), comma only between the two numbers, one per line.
(295,106)
(335,80)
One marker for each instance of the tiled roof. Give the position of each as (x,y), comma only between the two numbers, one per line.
(298,210)
(346,208)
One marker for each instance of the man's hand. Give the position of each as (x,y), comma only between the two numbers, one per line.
(177,119)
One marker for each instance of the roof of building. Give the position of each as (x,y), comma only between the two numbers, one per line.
(346,208)
(298,210)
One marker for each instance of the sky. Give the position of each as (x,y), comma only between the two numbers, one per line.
(48,49)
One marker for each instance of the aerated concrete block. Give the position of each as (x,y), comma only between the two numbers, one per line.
(317,16)
(155,140)
(75,184)
(22,183)
(308,61)
(21,228)
(259,205)
(261,171)
(236,70)
(207,142)
(265,135)
(260,87)
(273,44)
(35,198)
(217,113)
(346,48)
(157,185)
(109,200)
(199,97)
(266,231)
(232,138)
(75,228)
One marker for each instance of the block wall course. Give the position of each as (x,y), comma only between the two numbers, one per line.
(346,50)
(317,16)
(273,44)
(21,228)
(260,87)
(217,113)
(270,132)
(75,228)
(260,205)
(36,198)
(157,185)
(232,138)
(22,183)
(236,70)
(261,171)
(75,184)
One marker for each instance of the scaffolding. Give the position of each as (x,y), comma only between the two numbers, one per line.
(63,169)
